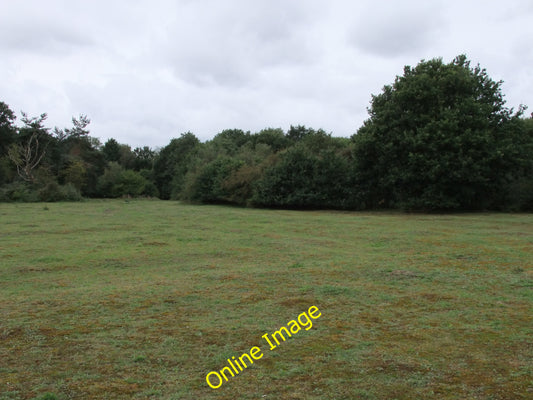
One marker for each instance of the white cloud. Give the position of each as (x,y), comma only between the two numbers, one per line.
(388,31)
(146,71)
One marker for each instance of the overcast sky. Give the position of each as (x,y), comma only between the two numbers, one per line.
(147,71)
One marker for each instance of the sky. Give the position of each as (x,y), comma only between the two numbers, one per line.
(145,72)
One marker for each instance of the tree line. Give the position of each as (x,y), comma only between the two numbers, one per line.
(438,138)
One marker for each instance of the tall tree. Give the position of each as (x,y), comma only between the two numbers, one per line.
(229,141)
(8,133)
(437,138)
(111,150)
(7,129)
(173,162)
(297,133)
(275,138)
(80,160)
(29,152)
(144,158)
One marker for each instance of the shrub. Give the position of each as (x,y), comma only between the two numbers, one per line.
(520,197)
(52,192)
(207,184)
(302,179)
(18,192)
(70,193)
(117,181)
(130,183)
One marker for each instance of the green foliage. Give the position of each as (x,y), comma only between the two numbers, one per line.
(302,179)
(18,191)
(7,170)
(127,157)
(95,164)
(520,194)
(74,149)
(79,128)
(144,158)
(117,182)
(7,116)
(52,192)
(70,193)
(173,162)
(75,173)
(111,150)
(288,183)
(7,129)
(207,185)
(275,138)
(131,183)
(239,184)
(109,179)
(298,133)
(437,138)
(229,141)
(150,188)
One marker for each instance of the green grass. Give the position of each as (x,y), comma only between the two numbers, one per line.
(141,299)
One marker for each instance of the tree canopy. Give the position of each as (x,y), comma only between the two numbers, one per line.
(438,138)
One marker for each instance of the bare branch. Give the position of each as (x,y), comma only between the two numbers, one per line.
(27,157)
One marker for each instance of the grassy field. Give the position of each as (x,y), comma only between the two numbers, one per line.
(142,299)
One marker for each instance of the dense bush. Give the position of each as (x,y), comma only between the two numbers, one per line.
(301,179)
(52,191)
(117,182)
(240,183)
(173,163)
(520,195)
(18,191)
(207,184)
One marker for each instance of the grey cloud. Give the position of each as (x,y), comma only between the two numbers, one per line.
(41,37)
(146,71)
(36,27)
(225,44)
(390,32)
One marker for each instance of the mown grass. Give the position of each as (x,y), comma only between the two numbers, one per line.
(141,299)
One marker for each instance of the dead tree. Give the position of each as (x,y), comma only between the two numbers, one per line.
(27,156)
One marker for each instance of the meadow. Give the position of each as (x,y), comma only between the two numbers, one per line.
(140,299)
